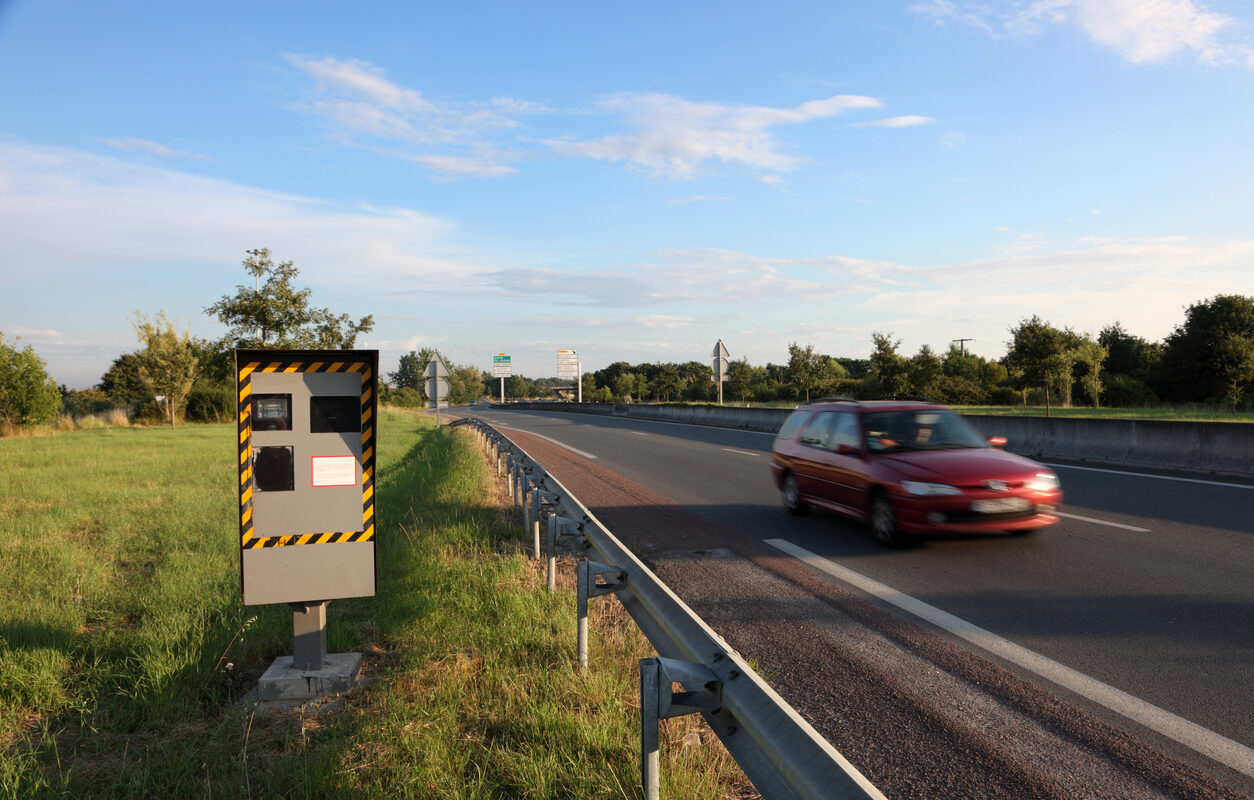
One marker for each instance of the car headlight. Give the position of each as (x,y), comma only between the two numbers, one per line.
(929,489)
(1042,482)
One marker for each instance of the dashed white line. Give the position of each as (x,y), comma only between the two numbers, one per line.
(1103,522)
(741,452)
(1202,740)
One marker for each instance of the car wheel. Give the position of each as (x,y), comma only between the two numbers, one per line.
(792,496)
(882,522)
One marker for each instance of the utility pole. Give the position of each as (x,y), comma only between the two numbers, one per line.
(962,344)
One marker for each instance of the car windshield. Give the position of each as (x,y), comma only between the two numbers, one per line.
(918,429)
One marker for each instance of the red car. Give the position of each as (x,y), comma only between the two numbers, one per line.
(908,468)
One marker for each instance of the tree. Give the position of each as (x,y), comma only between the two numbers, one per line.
(741,375)
(923,370)
(1127,354)
(275,314)
(1199,353)
(667,382)
(888,369)
(589,387)
(122,383)
(1091,354)
(168,364)
(1235,360)
(28,395)
(1039,353)
(804,368)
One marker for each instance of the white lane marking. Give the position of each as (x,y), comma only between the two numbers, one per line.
(741,452)
(552,441)
(1210,744)
(1149,475)
(640,433)
(1103,522)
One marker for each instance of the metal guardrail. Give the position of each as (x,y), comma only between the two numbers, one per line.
(779,751)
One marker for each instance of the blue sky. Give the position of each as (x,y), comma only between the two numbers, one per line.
(631,180)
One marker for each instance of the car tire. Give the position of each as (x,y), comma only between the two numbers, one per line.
(792,496)
(882,522)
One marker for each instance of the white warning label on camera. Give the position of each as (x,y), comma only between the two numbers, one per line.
(333,470)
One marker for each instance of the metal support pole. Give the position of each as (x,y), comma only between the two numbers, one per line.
(579,367)
(650,691)
(658,702)
(552,553)
(528,508)
(586,573)
(535,537)
(582,578)
(309,635)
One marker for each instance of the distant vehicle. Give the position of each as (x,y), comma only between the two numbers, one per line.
(908,468)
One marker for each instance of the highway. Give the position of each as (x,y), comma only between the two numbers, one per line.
(1138,607)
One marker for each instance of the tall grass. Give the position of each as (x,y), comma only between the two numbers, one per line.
(126,655)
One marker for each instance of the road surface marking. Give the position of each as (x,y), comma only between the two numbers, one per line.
(640,433)
(1159,477)
(741,452)
(1210,744)
(552,441)
(1103,522)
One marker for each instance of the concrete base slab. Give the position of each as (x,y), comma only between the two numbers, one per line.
(339,673)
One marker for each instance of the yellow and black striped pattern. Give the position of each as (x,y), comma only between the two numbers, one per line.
(247,539)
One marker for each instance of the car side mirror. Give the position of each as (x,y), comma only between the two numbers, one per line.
(846,450)
(997,441)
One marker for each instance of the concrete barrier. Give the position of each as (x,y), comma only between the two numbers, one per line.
(1215,447)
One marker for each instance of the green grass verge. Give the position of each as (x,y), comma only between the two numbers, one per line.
(126,655)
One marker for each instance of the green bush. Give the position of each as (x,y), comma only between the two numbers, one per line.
(211,402)
(28,396)
(1124,391)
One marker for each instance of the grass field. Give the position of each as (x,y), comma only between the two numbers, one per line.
(126,655)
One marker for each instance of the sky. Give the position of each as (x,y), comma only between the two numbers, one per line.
(635,181)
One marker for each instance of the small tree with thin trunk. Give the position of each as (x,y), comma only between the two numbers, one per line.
(168,363)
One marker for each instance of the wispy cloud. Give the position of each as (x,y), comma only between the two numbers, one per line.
(1142,31)
(358,99)
(907,121)
(666,135)
(674,137)
(128,215)
(131,145)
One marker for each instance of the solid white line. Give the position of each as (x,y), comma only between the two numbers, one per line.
(1148,475)
(1103,522)
(547,439)
(1210,744)
(741,452)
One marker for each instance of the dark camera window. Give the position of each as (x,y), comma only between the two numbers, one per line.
(272,412)
(335,414)
(273,469)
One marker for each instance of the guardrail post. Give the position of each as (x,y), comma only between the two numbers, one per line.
(554,523)
(657,702)
(650,689)
(587,587)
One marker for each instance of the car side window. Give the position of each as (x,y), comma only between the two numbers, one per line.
(791,424)
(815,433)
(844,430)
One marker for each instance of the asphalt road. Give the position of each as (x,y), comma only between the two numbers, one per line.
(1146,589)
